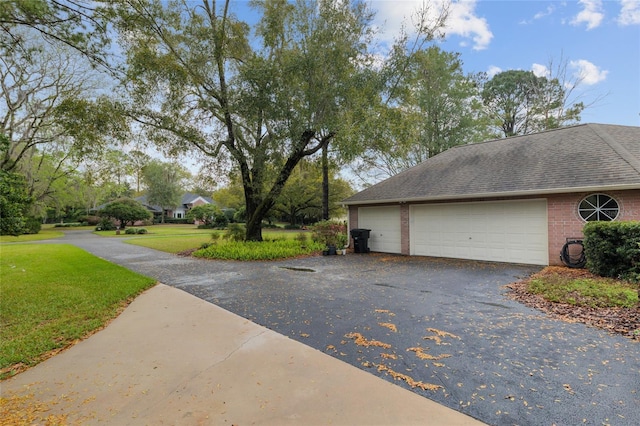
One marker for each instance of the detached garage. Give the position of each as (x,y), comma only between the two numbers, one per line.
(510,200)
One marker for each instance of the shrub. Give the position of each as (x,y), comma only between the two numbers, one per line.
(302,238)
(141,231)
(32,225)
(613,249)
(235,232)
(240,215)
(229,214)
(330,233)
(174,221)
(254,250)
(90,220)
(131,231)
(68,225)
(106,224)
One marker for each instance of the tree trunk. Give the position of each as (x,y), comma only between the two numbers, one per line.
(325,181)
(254,229)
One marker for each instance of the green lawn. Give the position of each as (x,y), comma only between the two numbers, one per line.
(170,243)
(156,230)
(591,291)
(53,295)
(46,233)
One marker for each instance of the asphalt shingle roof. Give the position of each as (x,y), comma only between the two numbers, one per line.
(582,157)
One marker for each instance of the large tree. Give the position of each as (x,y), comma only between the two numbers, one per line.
(435,106)
(164,184)
(519,103)
(14,198)
(50,114)
(77,24)
(125,211)
(301,200)
(201,79)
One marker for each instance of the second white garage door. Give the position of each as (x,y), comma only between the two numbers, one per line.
(509,231)
(384,223)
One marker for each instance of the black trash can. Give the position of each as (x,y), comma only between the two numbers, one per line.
(360,240)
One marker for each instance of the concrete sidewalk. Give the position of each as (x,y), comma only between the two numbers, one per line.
(173,359)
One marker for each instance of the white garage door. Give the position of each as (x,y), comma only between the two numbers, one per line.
(506,231)
(384,223)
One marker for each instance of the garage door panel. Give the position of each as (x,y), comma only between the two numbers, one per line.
(384,222)
(509,231)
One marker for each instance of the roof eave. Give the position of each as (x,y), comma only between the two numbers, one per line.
(527,193)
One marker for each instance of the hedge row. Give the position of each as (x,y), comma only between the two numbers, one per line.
(613,249)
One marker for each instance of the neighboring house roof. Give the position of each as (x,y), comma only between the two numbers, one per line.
(190,198)
(186,199)
(587,157)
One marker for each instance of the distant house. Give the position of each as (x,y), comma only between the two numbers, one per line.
(187,202)
(509,200)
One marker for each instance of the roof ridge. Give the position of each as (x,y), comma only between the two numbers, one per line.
(616,146)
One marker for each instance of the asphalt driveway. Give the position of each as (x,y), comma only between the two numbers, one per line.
(441,326)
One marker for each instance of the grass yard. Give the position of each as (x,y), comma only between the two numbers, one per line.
(158,230)
(589,291)
(63,296)
(46,233)
(170,243)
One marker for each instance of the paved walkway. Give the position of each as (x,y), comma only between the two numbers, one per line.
(174,359)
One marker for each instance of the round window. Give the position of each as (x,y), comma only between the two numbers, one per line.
(598,207)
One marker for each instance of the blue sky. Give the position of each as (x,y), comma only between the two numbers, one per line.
(598,40)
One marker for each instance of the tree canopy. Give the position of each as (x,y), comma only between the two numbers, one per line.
(125,210)
(199,78)
(519,102)
(163,183)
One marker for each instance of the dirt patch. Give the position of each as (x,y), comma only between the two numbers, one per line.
(624,321)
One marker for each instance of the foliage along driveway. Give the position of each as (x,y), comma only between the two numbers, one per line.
(439,327)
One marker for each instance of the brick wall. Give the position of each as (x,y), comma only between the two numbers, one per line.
(405,246)
(353,222)
(565,222)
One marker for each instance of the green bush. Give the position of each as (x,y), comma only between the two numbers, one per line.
(141,231)
(32,225)
(613,249)
(330,233)
(106,224)
(235,232)
(68,225)
(91,220)
(174,221)
(131,231)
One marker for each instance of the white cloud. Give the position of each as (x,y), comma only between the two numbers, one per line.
(588,73)
(629,13)
(493,70)
(540,70)
(550,9)
(462,20)
(591,14)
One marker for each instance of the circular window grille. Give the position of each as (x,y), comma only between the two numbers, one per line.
(598,207)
